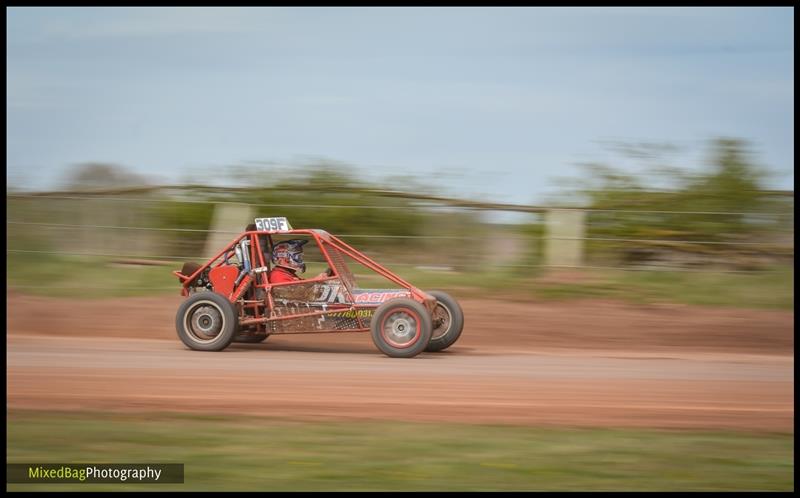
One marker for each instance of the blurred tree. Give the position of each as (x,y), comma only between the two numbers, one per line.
(102,175)
(329,195)
(185,216)
(300,194)
(732,184)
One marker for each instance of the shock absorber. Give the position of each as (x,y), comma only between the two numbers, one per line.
(239,291)
(243,254)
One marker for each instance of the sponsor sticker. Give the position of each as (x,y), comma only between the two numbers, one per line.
(334,293)
(377,296)
(353,314)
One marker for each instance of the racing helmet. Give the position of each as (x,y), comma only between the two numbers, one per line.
(289,254)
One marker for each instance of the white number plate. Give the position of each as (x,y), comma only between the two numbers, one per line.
(272,224)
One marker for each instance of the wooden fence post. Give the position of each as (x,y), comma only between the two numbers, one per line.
(228,217)
(564,232)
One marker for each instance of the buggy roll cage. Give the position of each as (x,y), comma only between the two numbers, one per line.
(324,240)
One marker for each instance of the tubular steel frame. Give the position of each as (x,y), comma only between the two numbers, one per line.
(245,298)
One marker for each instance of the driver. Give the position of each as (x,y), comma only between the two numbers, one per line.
(287,258)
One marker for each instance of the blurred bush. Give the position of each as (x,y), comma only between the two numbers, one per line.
(168,214)
(360,210)
(711,216)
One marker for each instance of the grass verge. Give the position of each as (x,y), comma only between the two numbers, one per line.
(221,453)
(90,278)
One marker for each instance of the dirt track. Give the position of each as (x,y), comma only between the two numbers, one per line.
(577,363)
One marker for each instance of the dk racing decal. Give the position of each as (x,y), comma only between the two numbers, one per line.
(329,293)
(334,293)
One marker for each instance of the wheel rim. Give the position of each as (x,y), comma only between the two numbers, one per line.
(442,319)
(401,328)
(204,321)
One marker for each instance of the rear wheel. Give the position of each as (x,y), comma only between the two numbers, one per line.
(401,328)
(206,321)
(448,321)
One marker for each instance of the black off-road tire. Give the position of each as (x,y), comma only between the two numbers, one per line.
(206,321)
(401,328)
(447,320)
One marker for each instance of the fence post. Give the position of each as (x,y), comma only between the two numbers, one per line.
(228,217)
(564,232)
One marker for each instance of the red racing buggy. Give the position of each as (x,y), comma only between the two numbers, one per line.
(230,298)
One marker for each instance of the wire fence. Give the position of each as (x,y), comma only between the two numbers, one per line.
(419,205)
(374,236)
(118,226)
(123,258)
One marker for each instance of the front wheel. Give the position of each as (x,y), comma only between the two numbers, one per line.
(206,321)
(448,321)
(401,328)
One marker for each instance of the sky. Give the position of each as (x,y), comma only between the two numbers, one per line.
(488,103)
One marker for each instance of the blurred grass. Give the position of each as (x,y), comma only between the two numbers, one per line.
(86,277)
(222,453)
(90,278)
(772,290)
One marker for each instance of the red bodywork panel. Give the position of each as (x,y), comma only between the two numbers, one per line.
(223,277)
